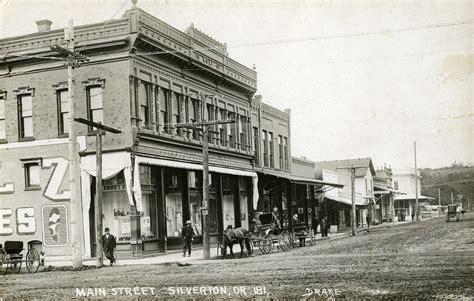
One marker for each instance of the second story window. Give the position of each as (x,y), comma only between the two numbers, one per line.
(256,146)
(265,148)
(286,153)
(231,130)
(95,104)
(164,95)
(3,135)
(193,110)
(63,111)
(280,152)
(25,115)
(143,100)
(175,108)
(270,145)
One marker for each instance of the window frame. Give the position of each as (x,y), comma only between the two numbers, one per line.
(3,98)
(61,122)
(88,85)
(27,164)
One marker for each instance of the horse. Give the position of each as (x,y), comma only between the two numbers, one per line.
(237,235)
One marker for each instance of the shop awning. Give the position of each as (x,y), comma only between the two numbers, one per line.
(411,196)
(275,173)
(339,199)
(309,181)
(193,166)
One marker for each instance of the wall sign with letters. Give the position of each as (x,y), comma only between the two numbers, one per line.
(22,222)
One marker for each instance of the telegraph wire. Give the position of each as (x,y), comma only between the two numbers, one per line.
(349,35)
(105,24)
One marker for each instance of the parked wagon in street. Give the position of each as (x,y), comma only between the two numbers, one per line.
(454,212)
(266,232)
(11,258)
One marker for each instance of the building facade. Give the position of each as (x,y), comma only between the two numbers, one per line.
(384,193)
(407,182)
(338,203)
(143,77)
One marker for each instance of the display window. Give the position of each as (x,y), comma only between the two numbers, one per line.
(174,203)
(116,207)
(149,217)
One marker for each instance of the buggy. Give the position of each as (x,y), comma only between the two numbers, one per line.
(453,213)
(267,231)
(11,258)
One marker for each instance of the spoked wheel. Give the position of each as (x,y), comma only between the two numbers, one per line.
(266,245)
(284,241)
(250,252)
(292,241)
(3,262)
(33,260)
(14,265)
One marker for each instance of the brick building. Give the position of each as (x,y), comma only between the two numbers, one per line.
(143,77)
(286,184)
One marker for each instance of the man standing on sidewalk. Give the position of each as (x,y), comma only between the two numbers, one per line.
(188,234)
(367,218)
(109,244)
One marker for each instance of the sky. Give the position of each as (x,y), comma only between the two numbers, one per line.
(362,78)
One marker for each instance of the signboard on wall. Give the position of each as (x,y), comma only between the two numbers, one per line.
(55,225)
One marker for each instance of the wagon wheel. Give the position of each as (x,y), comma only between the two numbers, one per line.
(284,241)
(3,262)
(266,244)
(292,241)
(14,265)
(32,260)
(250,252)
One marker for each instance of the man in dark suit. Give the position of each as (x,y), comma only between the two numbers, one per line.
(188,234)
(109,244)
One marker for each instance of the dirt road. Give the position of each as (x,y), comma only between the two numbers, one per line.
(429,259)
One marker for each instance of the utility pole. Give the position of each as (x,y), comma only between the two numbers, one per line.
(353,211)
(100,130)
(73,59)
(204,126)
(439,202)
(417,218)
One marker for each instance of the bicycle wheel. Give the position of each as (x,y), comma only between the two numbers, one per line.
(33,260)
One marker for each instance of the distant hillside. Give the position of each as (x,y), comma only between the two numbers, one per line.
(456,179)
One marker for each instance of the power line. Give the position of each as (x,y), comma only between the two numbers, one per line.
(105,24)
(349,35)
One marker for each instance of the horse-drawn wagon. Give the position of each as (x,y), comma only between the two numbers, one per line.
(11,258)
(267,231)
(454,212)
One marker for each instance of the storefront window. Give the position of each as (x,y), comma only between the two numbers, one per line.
(243,187)
(148,220)
(174,204)
(244,219)
(116,207)
(195,184)
(227,202)
(212,206)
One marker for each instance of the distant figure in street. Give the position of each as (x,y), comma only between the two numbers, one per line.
(188,234)
(367,218)
(324,227)
(413,215)
(315,225)
(108,244)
